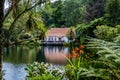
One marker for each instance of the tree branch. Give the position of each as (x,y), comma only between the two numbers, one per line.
(26,10)
(10,9)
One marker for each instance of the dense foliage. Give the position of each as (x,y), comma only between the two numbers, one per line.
(106,32)
(61,14)
(26,21)
(103,64)
(95,9)
(112,10)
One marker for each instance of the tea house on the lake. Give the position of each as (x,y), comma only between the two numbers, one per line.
(59,35)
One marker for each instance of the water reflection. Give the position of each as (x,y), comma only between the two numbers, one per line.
(22,54)
(56,55)
(15,59)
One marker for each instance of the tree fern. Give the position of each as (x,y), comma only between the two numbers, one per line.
(106,66)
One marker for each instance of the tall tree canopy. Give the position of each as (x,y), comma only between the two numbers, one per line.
(95,9)
(112,10)
(73,12)
(64,13)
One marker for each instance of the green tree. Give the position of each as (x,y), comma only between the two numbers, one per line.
(64,13)
(52,14)
(112,10)
(57,14)
(46,14)
(23,7)
(3,17)
(73,12)
(95,9)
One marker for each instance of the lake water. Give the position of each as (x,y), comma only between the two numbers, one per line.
(15,59)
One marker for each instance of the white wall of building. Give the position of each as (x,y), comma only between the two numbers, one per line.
(53,38)
(65,39)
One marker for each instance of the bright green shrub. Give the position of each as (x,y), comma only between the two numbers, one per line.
(45,77)
(105,32)
(118,28)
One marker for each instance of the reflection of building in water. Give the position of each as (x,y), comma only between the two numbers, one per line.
(56,55)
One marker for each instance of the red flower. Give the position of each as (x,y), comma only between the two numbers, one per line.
(76,49)
(69,55)
(82,46)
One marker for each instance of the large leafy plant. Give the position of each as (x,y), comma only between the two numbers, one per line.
(106,66)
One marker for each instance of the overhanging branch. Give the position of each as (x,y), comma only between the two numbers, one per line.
(26,10)
(9,10)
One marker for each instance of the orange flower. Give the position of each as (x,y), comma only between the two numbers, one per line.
(74,55)
(73,51)
(81,51)
(69,55)
(76,49)
(78,55)
(82,46)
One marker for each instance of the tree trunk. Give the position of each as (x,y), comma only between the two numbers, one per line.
(1,25)
(14,5)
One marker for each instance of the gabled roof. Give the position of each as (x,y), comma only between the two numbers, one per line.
(59,32)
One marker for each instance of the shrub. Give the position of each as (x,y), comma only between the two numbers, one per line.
(106,67)
(44,71)
(117,39)
(82,32)
(118,28)
(105,32)
(88,29)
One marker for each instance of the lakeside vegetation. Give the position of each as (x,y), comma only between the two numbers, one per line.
(97,22)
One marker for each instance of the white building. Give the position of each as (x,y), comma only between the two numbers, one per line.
(57,35)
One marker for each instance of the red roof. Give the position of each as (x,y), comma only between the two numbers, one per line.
(57,32)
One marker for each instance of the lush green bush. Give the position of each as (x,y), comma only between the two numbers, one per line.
(105,32)
(87,29)
(118,28)
(117,39)
(104,67)
(81,32)
(107,65)
(45,77)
